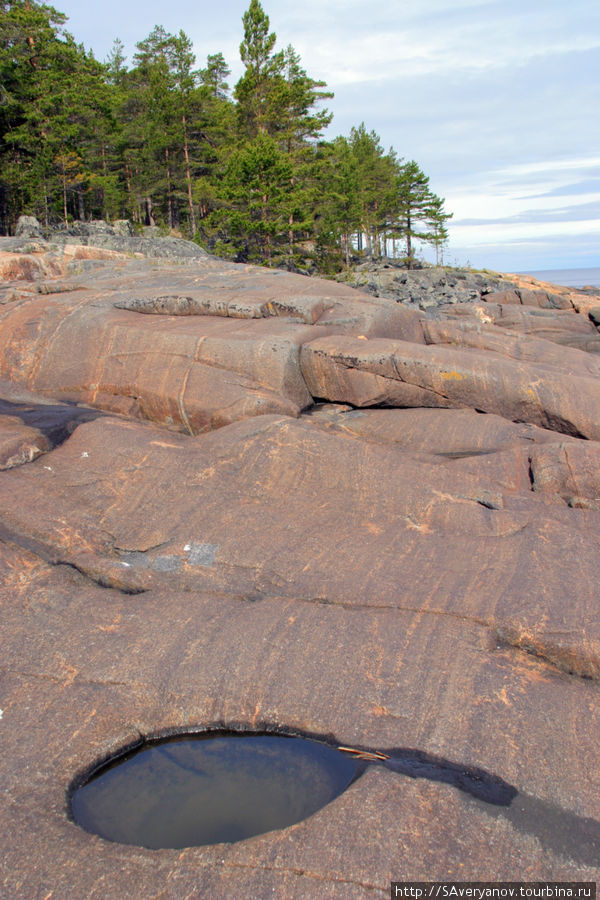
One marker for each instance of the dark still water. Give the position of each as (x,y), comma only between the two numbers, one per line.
(199,790)
(576,278)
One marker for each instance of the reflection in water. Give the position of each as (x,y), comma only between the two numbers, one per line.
(213,788)
(205,789)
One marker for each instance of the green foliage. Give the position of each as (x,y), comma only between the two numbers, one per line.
(162,142)
(55,99)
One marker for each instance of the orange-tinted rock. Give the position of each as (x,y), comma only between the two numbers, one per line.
(395,373)
(238,358)
(558,326)
(503,297)
(421,581)
(230,521)
(172,371)
(18,443)
(570,469)
(480,334)
(322,585)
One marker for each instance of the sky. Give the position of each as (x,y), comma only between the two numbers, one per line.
(498,101)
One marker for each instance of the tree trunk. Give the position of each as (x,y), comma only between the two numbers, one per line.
(267,238)
(134,207)
(367,235)
(64,183)
(149,216)
(291,231)
(188,177)
(105,211)
(33,61)
(45,204)
(169,192)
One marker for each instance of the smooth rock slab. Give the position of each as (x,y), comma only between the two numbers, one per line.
(420,581)
(486,448)
(477,333)
(395,373)
(234,353)
(283,508)
(195,374)
(564,327)
(88,671)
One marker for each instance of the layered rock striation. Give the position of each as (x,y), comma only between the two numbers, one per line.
(236,498)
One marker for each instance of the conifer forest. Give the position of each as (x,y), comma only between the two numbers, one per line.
(246,171)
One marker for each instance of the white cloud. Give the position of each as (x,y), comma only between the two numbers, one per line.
(393,56)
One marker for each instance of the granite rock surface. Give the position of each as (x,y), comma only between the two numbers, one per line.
(244,499)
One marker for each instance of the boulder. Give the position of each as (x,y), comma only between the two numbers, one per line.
(29,227)
(123,227)
(121,238)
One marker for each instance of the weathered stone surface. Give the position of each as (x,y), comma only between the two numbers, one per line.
(27,261)
(479,334)
(571,469)
(422,581)
(80,348)
(558,326)
(18,443)
(527,297)
(249,293)
(396,373)
(432,287)
(229,521)
(172,372)
(28,226)
(107,674)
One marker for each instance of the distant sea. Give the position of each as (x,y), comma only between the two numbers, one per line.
(576,278)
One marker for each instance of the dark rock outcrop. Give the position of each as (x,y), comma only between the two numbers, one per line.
(430,287)
(29,227)
(267,502)
(120,237)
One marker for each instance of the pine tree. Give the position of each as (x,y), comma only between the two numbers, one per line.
(214,76)
(276,98)
(215,138)
(257,187)
(54,94)
(185,83)
(376,172)
(263,71)
(416,208)
(339,209)
(162,142)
